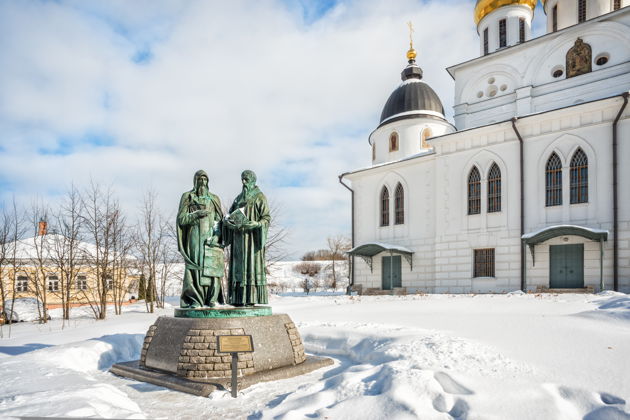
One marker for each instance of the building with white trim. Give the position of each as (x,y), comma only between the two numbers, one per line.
(531,187)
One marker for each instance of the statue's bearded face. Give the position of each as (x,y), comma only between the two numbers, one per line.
(201,184)
(248,181)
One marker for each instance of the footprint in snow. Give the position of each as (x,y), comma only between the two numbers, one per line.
(450,385)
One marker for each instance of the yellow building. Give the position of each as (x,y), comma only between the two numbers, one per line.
(40,270)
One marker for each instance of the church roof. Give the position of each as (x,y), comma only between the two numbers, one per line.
(413,98)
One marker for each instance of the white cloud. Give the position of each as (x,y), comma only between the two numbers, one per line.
(225,86)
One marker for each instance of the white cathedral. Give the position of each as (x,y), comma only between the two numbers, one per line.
(530,190)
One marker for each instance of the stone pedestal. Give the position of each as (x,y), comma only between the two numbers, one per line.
(185,350)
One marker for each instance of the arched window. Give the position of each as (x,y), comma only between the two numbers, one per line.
(553,181)
(494,189)
(579,177)
(474,191)
(426,133)
(384,207)
(393,142)
(399,205)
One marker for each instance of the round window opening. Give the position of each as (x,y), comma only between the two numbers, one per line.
(601,60)
(491,80)
(479,94)
(557,73)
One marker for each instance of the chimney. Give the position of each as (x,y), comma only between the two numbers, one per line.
(43,228)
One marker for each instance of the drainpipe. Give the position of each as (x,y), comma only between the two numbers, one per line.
(615,196)
(350,258)
(522,176)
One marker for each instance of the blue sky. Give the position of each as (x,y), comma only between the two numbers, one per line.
(140,94)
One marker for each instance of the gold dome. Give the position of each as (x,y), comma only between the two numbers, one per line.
(483,7)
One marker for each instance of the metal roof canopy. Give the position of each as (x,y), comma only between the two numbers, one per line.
(370,249)
(550,232)
(534,238)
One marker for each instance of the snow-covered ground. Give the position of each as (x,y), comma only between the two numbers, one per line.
(511,356)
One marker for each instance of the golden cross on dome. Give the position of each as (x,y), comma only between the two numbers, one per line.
(411,54)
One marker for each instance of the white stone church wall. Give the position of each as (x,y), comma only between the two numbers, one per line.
(518,81)
(624,202)
(418,231)
(459,233)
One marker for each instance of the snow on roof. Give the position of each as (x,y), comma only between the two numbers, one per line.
(28,248)
(555,227)
(389,162)
(383,246)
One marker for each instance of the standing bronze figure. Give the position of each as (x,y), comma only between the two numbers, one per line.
(199,241)
(245,228)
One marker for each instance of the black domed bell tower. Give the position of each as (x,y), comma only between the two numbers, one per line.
(413,112)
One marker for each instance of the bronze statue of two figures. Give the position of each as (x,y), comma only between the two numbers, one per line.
(203,231)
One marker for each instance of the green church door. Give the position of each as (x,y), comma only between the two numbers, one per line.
(566,268)
(391,272)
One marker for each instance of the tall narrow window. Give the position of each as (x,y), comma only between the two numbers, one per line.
(553,181)
(502,33)
(399,205)
(484,263)
(474,191)
(581,10)
(494,189)
(554,18)
(616,4)
(579,177)
(384,207)
(373,151)
(21,284)
(393,142)
(521,30)
(485,41)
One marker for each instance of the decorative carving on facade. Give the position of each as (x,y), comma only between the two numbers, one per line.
(579,59)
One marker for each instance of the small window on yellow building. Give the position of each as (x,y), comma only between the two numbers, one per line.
(53,283)
(21,284)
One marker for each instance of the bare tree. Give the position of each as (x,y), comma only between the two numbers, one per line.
(121,264)
(14,260)
(5,251)
(65,252)
(40,246)
(337,245)
(151,237)
(275,249)
(168,257)
(100,211)
(11,231)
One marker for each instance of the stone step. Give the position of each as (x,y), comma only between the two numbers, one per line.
(587,289)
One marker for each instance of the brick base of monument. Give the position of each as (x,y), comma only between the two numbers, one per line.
(182,352)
